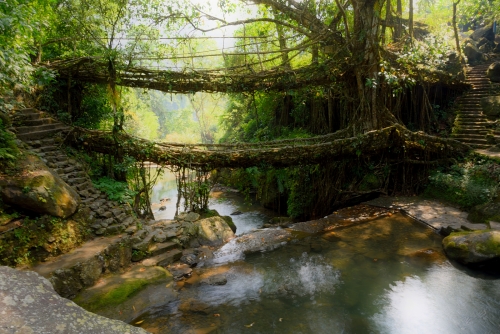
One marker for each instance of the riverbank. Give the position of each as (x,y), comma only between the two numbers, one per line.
(436,214)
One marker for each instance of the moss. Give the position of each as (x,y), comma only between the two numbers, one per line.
(118,293)
(491,246)
(115,296)
(229,222)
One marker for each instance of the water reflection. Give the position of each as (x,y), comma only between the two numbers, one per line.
(385,276)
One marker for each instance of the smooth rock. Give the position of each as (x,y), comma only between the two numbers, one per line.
(195,306)
(29,304)
(218,279)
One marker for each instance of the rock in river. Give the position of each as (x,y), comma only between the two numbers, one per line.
(474,247)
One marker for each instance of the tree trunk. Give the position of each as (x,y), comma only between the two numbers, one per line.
(410,23)
(398,29)
(370,114)
(455,29)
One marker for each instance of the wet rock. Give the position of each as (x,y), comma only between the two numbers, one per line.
(427,255)
(189,259)
(162,208)
(316,247)
(493,72)
(236,213)
(116,289)
(230,223)
(195,306)
(41,190)
(29,304)
(180,271)
(473,247)
(213,231)
(218,279)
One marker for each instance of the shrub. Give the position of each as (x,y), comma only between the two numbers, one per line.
(115,190)
(467,184)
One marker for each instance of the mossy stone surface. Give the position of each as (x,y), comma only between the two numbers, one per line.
(473,247)
(39,189)
(116,289)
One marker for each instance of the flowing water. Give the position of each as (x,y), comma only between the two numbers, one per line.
(388,275)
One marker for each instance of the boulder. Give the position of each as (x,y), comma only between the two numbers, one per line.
(484,32)
(213,231)
(37,188)
(491,105)
(493,72)
(475,247)
(29,304)
(473,54)
(483,213)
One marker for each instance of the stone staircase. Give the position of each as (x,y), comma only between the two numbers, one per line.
(44,136)
(472,127)
(154,242)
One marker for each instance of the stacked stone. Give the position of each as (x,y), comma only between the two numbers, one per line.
(44,136)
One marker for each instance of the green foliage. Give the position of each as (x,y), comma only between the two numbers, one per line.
(115,190)
(8,148)
(467,184)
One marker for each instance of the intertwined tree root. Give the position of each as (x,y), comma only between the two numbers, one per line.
(395,140)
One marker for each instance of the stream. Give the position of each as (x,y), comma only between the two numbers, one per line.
(388,275)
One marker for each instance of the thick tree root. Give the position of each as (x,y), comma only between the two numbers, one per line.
(396,141)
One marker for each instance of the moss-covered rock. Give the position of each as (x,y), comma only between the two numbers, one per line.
(473,247)
(485,212)
(213,231)
(230,223)
(37,188)
(116,289)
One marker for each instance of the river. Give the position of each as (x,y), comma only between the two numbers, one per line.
(387,275)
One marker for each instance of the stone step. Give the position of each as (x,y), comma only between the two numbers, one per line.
(460,136)
(78,180)
(40,121)
(480,146)
(41,134)
(36,128)
(82,267)
(19,118)
(472,131)
(164,259)
(163,247)
(468,140)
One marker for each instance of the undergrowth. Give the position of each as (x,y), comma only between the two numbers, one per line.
(466,184)
(8,148)
(115,190)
